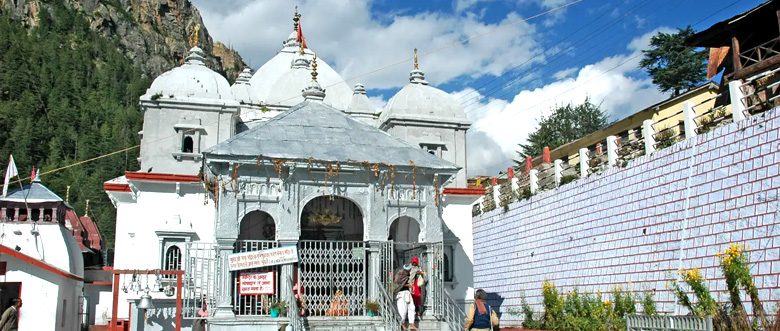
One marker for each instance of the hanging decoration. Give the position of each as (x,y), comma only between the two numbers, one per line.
(324,217)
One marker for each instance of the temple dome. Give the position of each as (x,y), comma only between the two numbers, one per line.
(420,101)
(240,88)
(360,106)
(279,81)
(192,80)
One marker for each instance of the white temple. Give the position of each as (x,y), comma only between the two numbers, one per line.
(277,161)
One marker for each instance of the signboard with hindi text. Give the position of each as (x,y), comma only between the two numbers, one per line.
(263,258)
(257,283)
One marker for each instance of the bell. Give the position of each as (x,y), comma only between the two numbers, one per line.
(146,302)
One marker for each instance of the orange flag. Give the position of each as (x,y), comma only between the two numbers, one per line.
(300,38)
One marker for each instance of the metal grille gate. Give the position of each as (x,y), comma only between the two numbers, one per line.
(327,267)
(433,296)
(254,305)
(199,284)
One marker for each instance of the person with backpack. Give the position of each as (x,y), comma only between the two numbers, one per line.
(479,316)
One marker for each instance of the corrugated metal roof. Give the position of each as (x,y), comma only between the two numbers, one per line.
(314,130)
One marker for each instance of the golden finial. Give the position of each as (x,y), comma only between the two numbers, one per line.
(302,48)
(296,17)
(314,68)
(415,59)
(195,39)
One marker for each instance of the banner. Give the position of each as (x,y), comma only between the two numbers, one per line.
(264,258)
(256,283)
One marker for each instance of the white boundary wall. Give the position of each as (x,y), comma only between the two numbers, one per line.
(635,226)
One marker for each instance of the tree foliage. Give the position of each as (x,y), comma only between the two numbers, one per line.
(68,94)
(674,66)
(565,124)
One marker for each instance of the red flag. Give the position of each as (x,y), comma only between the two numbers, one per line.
(300,37)
(32,175)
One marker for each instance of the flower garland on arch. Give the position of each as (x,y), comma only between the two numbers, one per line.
(332,169)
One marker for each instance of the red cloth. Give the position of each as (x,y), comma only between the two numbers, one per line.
(300,38)
(481,307)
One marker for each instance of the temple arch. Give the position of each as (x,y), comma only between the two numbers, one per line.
(332,218)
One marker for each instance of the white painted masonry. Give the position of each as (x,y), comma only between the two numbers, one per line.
(635,226)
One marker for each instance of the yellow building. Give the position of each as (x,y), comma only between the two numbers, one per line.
(667,116)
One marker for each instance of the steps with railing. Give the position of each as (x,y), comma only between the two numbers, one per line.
(293,311)
(390,316)
(454,315)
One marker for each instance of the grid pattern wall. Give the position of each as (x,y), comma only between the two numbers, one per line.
(635,226)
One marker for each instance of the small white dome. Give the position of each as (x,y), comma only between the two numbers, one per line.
(418,100)
(190,80)
(241,89)
(360,106)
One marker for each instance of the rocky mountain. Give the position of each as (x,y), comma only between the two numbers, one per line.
(154,34)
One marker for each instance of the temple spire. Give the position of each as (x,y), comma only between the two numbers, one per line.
(314,68)
(415,60)
(417,76)
(296,18)
(195,38)
(314,91)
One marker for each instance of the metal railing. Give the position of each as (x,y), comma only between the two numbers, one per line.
(710,119)
(454,315)
(668,323)
(668,136)
(294,311)
(758,92)
(390,317)
(254,304)
(200,279)
(631,149)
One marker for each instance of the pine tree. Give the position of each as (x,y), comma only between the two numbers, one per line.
(674,66)
(566,124)
(68,94)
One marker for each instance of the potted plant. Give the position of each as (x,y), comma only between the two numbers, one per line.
(372,307)
(278,307)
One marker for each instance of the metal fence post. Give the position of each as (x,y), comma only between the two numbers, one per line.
(557,165)
(689,120)
(648,133)
(533,180)
(736,95)
(708,320)
(584,162)
(612,151)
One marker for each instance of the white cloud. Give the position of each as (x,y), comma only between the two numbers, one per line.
(611,82)
(565,73)
(350,39)
(378,101)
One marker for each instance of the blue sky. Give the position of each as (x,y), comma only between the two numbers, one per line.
(505,79)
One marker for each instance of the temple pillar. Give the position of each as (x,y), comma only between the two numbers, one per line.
(16,214)
(430,273)
(2,214)
(374,268)
(224,278)
(286,280)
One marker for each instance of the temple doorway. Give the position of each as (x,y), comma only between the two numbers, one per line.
(257,231)
(333,261)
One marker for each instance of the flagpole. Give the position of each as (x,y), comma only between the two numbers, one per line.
(24,195)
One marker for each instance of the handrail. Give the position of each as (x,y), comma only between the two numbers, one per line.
(708,100)
(390,316)
(454,315)
(293,311)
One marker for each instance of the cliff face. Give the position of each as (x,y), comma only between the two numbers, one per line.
(154,34)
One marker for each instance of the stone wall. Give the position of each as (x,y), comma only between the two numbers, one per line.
(636,226)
